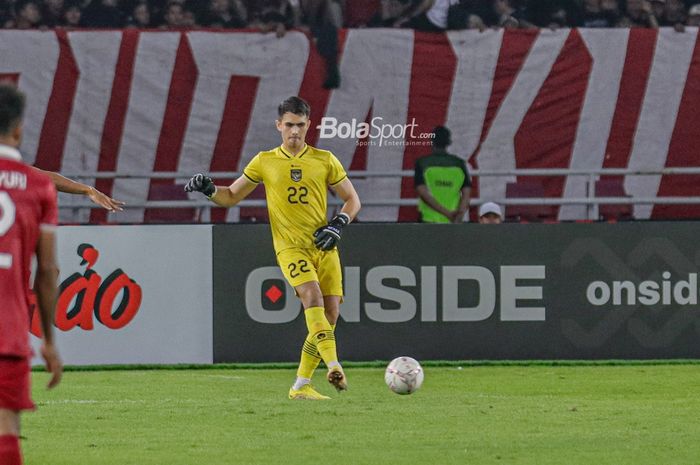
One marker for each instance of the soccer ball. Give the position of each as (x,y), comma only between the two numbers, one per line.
(404,375)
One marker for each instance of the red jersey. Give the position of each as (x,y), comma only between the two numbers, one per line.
(27,205)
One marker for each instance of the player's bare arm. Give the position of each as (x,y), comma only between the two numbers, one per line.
(45,289)
(327,237)
(64,184)
(347,193)
(223,196)
(463,205)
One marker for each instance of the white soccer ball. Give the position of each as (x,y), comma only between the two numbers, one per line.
(404,375)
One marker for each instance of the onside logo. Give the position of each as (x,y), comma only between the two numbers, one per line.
(396,294)
(648,293)
(114,301)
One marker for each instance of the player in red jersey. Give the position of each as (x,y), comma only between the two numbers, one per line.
(28,216)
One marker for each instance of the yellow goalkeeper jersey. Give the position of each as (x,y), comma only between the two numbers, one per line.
(296,189)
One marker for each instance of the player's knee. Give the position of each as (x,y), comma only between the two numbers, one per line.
(310,294)
(9,422)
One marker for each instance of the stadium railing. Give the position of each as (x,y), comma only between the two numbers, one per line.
(590,200)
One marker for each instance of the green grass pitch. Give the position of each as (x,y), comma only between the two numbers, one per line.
(537,414)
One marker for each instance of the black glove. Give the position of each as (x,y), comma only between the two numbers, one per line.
(327,237)
(201,183)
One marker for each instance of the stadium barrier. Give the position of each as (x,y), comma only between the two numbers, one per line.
(513,291)
(584,203)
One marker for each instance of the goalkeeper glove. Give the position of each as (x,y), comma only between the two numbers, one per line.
(327,237)
(201,183)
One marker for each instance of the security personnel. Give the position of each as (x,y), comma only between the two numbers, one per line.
(442,182)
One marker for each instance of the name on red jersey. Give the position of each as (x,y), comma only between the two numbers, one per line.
(13,180)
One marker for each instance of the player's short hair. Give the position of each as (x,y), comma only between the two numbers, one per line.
(11,107)
(442,137)
(295,105)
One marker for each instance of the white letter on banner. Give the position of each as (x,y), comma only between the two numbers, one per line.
(657,120)
(594,289)
(376,287)
(34,56)
(280,65)
(451,276)
(608,49)
(477,57)
(350,310)
(498,150)
(511,293)
(374,77)
(96,57)
(155,59)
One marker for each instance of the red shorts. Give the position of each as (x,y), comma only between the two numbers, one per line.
(15,384)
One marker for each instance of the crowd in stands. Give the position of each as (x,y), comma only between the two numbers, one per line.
(323,18)
(315,15)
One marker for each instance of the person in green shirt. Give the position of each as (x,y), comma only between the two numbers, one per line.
(442,182)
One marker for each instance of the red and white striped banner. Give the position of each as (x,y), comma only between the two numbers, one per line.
(131,101)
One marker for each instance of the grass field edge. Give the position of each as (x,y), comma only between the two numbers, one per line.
(379,364)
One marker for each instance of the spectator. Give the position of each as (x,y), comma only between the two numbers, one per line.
(389,12)
(442,182)
(173,15)
(72,15)
(509,16)
(274,15)
(465,15)
(140,16)
(225,14)
(28,15)
(427,15)
(359,13)
(674,14)
(596,14)
(657,9)
(611,10)
(639,14)
(560,17)
(694,15)
(189,15)
(103,13)
(52,12)
(490,213)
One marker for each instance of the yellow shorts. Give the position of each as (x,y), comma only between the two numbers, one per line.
(300,266)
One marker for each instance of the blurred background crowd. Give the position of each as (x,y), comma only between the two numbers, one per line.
(316,15)
(323,18)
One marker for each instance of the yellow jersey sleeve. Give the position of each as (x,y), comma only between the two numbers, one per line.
(254,171)
(336,173)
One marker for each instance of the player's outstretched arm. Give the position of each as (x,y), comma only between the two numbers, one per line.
(45,289)
(63,184)
(327,237)
(221,195)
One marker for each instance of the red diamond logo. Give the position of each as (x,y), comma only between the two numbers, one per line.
(273,293)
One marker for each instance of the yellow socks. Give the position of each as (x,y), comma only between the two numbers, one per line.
(310,357)
(319,343)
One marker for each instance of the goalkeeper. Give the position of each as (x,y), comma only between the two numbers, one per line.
(296,178)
